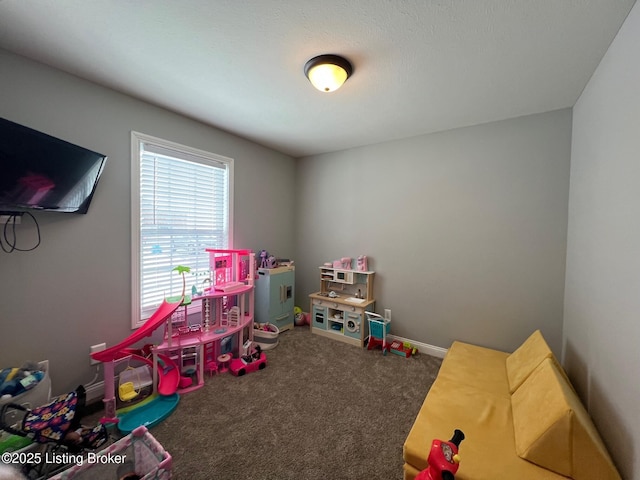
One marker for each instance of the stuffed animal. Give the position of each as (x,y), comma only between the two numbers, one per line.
(264,255)
(267,260)
(300,318)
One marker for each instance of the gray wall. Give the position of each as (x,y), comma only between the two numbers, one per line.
(74,290)
(602,302)
(466,229)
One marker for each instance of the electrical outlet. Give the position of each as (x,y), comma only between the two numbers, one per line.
(97,348)
(387,314)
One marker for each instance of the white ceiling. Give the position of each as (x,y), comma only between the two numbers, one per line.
(420,66)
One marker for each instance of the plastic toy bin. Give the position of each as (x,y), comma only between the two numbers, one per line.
(32,398)
(139,453)
(36,396)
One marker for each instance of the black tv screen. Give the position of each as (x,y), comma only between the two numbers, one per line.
(38,171)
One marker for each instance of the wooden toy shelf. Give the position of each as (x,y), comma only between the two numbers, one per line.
(342,317)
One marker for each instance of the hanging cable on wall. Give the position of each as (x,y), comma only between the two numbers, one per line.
(9,239)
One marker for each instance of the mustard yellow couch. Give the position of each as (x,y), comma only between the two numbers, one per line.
(521,417)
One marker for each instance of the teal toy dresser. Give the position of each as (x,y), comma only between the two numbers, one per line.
(275,293)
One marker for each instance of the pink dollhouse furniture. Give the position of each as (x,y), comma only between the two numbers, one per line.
(211,367)
(227,310)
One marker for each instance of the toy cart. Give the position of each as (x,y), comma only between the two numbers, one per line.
(378,331)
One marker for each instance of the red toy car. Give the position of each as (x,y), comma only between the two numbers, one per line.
(248,363)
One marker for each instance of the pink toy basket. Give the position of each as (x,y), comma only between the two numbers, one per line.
(139,453)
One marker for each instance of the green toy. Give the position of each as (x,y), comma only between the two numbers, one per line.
(11,443)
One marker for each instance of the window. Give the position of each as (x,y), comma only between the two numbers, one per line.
(180,205)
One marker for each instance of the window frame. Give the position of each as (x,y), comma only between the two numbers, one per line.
(137,139)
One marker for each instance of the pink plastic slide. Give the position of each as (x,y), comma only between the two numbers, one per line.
(168,371)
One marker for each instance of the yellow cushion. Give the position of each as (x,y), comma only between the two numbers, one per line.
(476,366)
(526,358)
(488,449)
(552,428)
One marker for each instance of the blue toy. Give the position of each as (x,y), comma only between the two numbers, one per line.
(378,331)
(14,381)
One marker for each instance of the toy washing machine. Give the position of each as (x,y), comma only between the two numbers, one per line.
(352,324)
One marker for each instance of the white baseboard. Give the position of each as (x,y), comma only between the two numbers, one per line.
(95,392)
(422,347)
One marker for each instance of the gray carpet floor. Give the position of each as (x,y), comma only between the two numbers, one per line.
(321,409)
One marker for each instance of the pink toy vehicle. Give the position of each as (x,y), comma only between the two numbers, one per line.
(248,363)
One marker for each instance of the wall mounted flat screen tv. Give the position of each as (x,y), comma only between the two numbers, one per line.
(38,171)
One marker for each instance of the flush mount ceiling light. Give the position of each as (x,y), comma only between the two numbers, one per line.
(328,72)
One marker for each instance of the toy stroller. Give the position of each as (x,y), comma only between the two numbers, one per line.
(378,331)
(55,425)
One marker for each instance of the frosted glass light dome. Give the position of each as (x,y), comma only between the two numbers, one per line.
(328,72)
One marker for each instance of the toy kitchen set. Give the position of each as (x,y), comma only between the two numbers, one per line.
(338,309)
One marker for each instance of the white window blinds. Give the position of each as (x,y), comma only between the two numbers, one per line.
(183,208)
